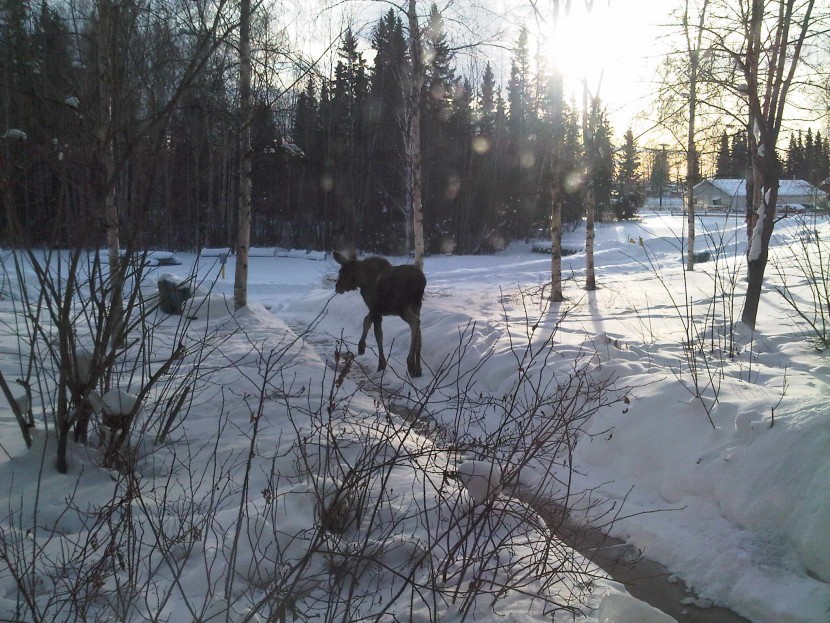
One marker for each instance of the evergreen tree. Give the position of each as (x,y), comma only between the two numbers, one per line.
(306,123)
(628,193)
(573,201)
(349,96)
(822,164)
(739,152)
(485,186)
(311,225)
(487,102)
(440,168)
(521,201)
(460,192)
(518,92)
(792,157)
(811,154)
(724,165)
(659,180)
(798,159)
(385,135)
(601,161)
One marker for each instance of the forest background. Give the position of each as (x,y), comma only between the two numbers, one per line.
(328,151)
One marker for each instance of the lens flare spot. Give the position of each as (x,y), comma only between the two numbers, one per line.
(481,145)
(447,246)
(573,181)
(453,187)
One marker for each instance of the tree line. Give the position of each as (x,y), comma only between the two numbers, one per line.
(328,150)
(807,156)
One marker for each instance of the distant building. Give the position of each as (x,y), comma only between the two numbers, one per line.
(730,195)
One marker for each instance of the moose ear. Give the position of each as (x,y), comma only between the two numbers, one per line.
(340,258)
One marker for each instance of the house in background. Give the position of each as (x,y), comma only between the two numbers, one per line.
(724,194)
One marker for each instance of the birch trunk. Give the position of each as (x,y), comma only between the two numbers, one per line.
(106,153)
(557,175)
(555,245)
(414,134)
(691,158)
(590,207)
(240,284)
(691,151)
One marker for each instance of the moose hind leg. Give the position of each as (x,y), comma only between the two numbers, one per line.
(379,339)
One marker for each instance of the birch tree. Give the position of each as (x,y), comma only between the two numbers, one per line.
(764,41)
(557,165)
(413,134)
(105,150)
(240,284)
(588,128)
(693,49)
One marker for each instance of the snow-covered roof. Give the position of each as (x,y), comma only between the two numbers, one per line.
(736,187)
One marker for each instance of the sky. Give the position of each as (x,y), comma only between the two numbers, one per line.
(617,46)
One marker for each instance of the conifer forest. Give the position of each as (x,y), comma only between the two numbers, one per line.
(329,156)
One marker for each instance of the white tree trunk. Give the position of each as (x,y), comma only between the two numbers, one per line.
(414,134)
(588,128)
(691,150)
(556,244)
(240,284)
(106,153)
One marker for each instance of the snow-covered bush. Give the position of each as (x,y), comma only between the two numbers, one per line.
(76,348)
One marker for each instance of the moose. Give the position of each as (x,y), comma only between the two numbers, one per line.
(387,291)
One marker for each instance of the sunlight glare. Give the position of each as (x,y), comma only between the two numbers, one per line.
(582,46)
(613,47)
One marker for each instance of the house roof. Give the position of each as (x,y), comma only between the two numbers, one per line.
(737,187)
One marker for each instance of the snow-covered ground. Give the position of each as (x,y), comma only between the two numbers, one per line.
(705,442)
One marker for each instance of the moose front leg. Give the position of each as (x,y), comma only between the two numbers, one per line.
(413,360)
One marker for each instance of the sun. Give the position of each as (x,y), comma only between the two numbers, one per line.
(611,48)
(580,46)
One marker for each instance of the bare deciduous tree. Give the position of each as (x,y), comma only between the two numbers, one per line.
(764,42)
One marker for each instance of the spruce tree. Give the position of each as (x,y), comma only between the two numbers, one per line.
(350,93)
(739,152)
(601,161)
(487,102)
(385,123)
(440,171)
(723,165)
(521,201)
(628,195)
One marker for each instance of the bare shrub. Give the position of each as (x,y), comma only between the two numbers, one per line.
(805,282)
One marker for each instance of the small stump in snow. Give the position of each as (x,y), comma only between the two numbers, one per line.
(173,293)
(116,408)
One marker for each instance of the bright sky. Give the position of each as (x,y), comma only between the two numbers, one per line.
(618,47)
(621,40)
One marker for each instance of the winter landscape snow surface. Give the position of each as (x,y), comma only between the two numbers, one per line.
(707,449)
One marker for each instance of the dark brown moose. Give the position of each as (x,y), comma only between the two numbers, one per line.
(387,291)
